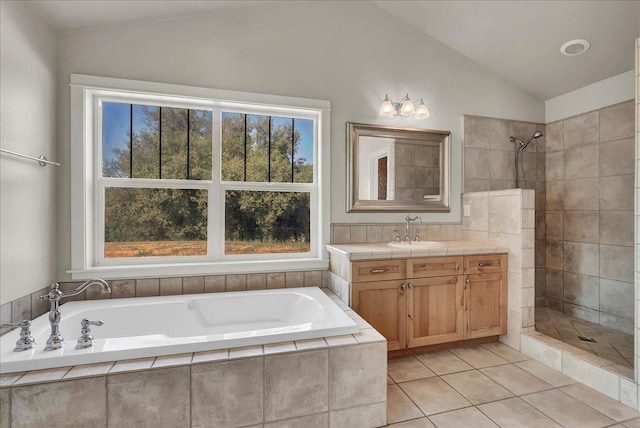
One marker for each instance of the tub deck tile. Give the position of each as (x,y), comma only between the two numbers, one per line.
(303,345)
(8,379)
(42,376)
(347,339)
(208,356)
(132,365)
(246,352)
(172,361)
(89,370)
(279,348)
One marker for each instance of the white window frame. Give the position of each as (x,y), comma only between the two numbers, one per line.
(87,184)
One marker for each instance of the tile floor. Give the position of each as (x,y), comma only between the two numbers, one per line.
(493,386)
(610,344)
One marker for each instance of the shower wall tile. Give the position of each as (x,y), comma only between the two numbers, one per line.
(554,166)
(582,290)
(475,163)
(590,166)
(617,122)
(555,254)
(581,258)
(581,130)
(193,284)
(616,192)
(581,162)
(554,137)
(477,132)
(617,157)
(617,298)
(615,227)
(581,226)
(501,130)
(581,194)
(616,262)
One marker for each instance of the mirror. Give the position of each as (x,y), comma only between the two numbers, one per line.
(397,169)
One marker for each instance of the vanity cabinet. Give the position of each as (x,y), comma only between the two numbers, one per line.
(426,301)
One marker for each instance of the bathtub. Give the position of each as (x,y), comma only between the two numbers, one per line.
(155,326)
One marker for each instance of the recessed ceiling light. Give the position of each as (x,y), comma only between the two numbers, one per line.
(575,47)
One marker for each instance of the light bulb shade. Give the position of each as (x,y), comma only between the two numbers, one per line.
(386,108)
(407,108)
(422,112)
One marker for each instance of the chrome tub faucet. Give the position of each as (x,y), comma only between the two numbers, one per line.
(56,341)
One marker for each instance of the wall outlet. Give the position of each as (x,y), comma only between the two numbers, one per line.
(467,210)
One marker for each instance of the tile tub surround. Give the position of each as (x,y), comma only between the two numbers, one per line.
(337,379)
(29,307)
(486,143)
(589,216)
(506,218)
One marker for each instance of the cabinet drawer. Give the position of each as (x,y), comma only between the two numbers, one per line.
(485,263)
(434,266)
(379,270)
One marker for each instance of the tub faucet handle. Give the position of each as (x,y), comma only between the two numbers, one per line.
(26,341)
(86,338)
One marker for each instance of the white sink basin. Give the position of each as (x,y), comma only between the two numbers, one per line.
(417,244)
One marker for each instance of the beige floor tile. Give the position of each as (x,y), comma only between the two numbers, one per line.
(389,380)
(506,352)
(470,417)
(433,395)
(632,424)
(443,362)
(479,357)
(515,413)
(566,410)
(476,387)
(600,402)
(399,406)
(547,374)
(415,423)
(516,379)
(408,368)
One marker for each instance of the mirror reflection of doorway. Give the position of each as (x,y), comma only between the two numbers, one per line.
(382,178)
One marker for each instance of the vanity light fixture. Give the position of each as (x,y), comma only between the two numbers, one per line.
(405,108)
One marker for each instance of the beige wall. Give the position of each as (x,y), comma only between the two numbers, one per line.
(28,115)
(589,217)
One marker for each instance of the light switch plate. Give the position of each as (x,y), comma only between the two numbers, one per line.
(467,210)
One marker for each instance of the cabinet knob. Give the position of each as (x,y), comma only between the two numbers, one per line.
(403,287)
(410,286)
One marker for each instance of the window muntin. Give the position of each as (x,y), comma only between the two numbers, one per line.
(159,150)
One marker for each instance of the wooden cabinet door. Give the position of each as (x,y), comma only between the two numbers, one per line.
(486,304)
(383,304)
(435,310)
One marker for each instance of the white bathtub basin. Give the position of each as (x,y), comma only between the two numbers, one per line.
(154,326)
(417,245)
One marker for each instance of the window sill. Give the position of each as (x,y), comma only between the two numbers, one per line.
(199,269)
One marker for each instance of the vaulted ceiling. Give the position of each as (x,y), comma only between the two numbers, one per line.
(519,40)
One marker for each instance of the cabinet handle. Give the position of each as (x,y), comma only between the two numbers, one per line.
(379,270)
(484,264)
(467,281)
(410,286)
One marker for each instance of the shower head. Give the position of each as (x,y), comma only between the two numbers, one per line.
(535,136)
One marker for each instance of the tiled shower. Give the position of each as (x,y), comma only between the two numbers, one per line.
(583,174)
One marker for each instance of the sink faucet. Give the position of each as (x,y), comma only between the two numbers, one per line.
(56,341)
(408,219)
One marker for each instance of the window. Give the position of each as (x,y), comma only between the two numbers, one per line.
(195,184)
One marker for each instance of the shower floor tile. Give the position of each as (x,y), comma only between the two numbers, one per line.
(612,345)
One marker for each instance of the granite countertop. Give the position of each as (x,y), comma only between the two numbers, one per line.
(403,250)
